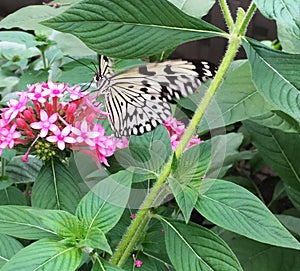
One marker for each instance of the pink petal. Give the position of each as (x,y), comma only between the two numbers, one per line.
(44,132)
(66,130)
(43,115)
(36,125)
(52,138)
(69,139)
(53,118)
(53,128)
(61,145)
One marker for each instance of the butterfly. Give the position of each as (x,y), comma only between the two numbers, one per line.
(138,99)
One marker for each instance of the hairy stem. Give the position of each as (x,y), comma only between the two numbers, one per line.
(142,218)
(227,15)
(250,12)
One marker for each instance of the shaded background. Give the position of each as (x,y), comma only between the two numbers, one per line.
(211,49)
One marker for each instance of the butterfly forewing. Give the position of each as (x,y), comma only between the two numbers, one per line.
(137,99)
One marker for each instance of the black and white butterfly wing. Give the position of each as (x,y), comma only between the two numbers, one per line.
(135,108)
(138,99)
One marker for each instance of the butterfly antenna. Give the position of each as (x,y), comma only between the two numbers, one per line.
(87,86)
(80,62)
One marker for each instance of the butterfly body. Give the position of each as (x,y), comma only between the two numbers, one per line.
(137,99)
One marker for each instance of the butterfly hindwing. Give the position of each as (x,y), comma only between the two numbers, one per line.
(135,109)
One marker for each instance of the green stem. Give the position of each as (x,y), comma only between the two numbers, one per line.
(142,218)
(44,59)
(138,225)
(227,14)
(234,44)
(2,168)
(55,183)
(28,185)
(244,25)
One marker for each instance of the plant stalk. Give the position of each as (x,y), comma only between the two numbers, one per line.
(2,168)
(244,25)
(44,59)
(142,218)
(227,15)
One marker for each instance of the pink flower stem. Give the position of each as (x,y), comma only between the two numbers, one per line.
(25,156)
(63,121)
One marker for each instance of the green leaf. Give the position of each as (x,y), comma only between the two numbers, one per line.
(279,84)
(293,195)
(127,29)
(75,73)
(194,163)
(150,263)
(102,265)
(55,188)
(278,120)
(145,156)
(194,8)
(20,172)
(185,195)
(70,45)
(279,150)
(257,256)
(289,42)
(12,196)
(188,173)
(236,100)
(103,206)
(192,247)
(61,222)
(8,248)
(95,238)
(234,208)
(31,76)
(291,223)
(287,16)
(45,255)
(5,183)
(17,221)
(224,153)
(19,37)
(154,245)
(7,154)
(28,18)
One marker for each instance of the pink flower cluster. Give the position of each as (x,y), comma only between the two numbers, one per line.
(55,117)
(176,130)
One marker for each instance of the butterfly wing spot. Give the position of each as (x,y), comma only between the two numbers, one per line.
(144,70)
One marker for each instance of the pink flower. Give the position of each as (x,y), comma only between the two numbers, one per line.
(104,145)
(84,135)
(174,141)
(61,137)
(15,107)
(176,129)
(122,143)
(38,93)
(8,136)
(132,216)
(56,90)
(76,93)
(46,124)
(138,263)
(177,126)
